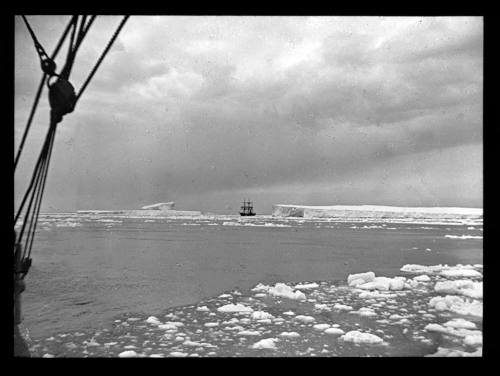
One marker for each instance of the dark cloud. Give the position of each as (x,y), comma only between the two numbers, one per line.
(211,108)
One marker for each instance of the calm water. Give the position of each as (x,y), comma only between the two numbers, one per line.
(87,270)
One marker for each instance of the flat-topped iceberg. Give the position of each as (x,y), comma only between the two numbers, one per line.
(159,209)
(375,211)
(160,206)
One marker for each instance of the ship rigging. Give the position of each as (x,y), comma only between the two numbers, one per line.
(62,99)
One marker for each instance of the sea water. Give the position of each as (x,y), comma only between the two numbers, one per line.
(116,285)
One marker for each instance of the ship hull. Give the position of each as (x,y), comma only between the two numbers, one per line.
(247,214)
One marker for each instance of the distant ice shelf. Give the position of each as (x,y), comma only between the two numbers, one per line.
(143,212)
(375,211)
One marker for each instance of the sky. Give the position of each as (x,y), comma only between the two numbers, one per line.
(207,111)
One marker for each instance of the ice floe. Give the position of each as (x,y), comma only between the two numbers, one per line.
(368,281)
(473,338)
(364,311)
(432,309)
(461,287)
(460,323)
(334,331)
(249,333)
(457,304)
(211,324)
(445,352)
(422,278)
(128,354)
(305,318)
(281,290)
(261,315)
(267,343)
(360,337)
(444,270)
(342,307)
(153,320)
(235,308)
(306,286)
(463,236)
(360,278)
(460,273)
(290,334)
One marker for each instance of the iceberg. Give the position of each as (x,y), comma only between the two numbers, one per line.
(143,213)
(160,209)
(160,206)
(375,211)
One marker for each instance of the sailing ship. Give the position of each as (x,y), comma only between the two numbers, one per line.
(247,209)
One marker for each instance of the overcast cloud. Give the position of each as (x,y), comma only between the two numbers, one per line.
(207,111)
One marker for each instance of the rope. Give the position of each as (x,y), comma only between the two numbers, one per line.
(70,56)
(34,176)
(101,58)
(75,45)
(38,201)
(71,52)
(38,180)
(38,46)
(39,91)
